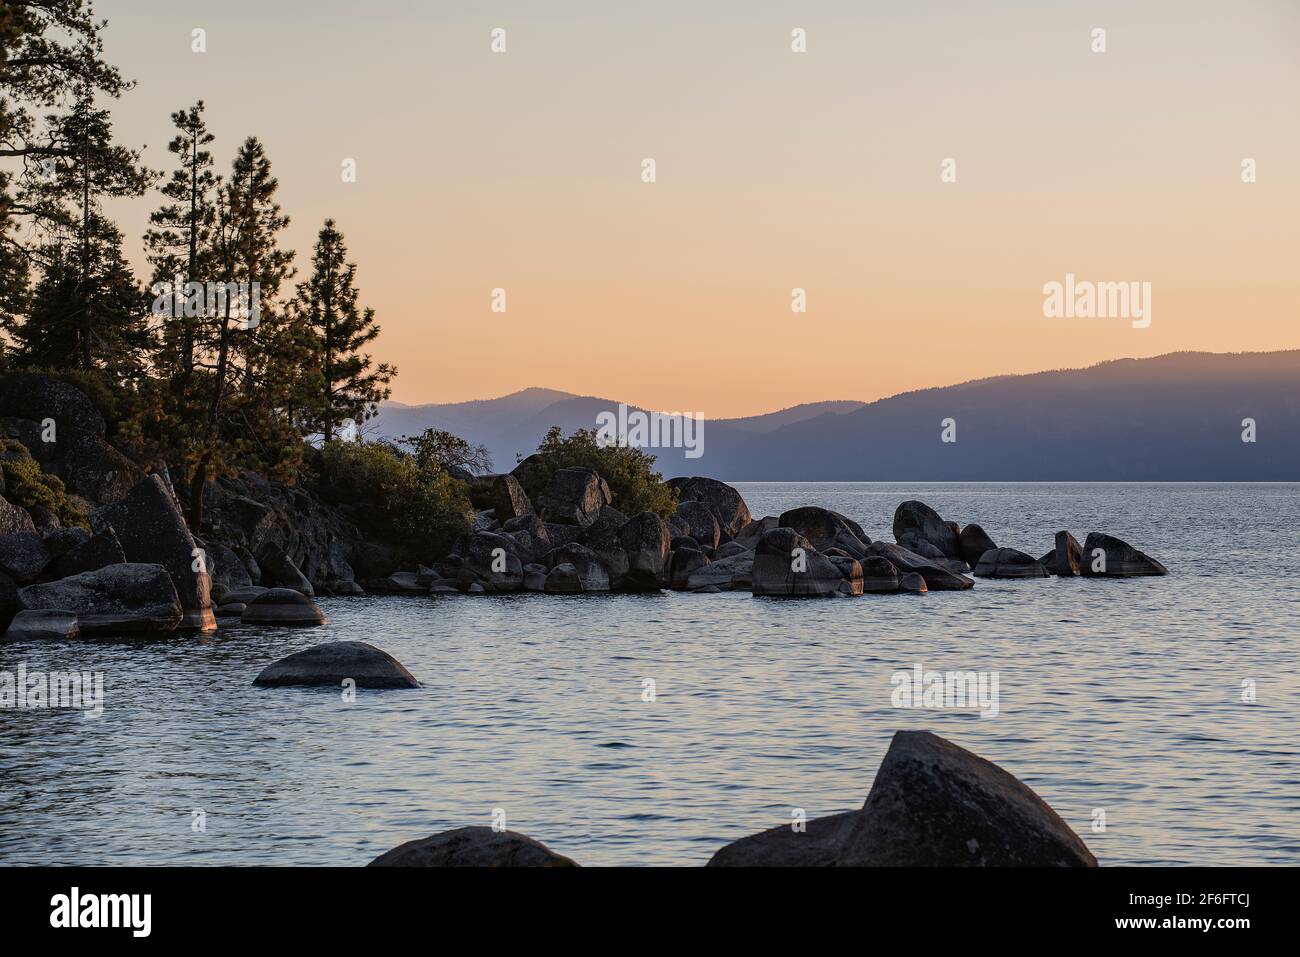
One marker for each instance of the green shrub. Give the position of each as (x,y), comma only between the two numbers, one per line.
(419,509)
(635,485)
(28,486)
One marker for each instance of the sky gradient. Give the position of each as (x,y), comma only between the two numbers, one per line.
(775,170)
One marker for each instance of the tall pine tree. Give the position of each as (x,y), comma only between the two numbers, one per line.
(350,385)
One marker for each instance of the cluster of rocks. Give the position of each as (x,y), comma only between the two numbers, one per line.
(575,541)
(932,804)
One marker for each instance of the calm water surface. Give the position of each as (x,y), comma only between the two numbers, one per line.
(1124,696)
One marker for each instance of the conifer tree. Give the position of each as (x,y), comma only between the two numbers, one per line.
(350,385)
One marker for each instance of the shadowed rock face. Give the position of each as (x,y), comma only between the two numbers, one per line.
(701,524)
(644,540)
(150,528)
(14,518)
(783,846)
(1066,557)
(937,578)
(917,522)
(119,599)
(774,571)
(473,847)
(726,504)
(934,804)
(281,606)
(879,576)
(333,663)
(974,542)
(1008,563)
(592,575)
(573,497)
(1122,559)
(494,561)
(827,529)
(23,556)
(98,551)
(733,573)
(279,570)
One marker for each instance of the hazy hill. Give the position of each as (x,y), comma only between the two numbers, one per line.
(1171,418)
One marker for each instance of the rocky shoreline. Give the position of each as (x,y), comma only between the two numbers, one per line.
(133,567)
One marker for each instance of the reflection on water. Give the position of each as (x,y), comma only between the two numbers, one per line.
(1123,696)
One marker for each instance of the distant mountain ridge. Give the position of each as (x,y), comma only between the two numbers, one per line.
(1176,417)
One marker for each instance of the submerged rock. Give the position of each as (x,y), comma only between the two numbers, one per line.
(43,625)
(934,804)
(473,847)
(335,662)
(1009,563)
(1117,559)
(282,606)
(133,598)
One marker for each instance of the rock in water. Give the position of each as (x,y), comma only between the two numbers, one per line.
(644,539)
(117,600)
(592,575)
(934,804)
(684,565)
(492,560)
(333,663)
(573,497)
(726,504)
(701,524)
(1117,559)
(937,577)
(282,606)
(1068,555)
(912,584)
(827,529)
(779,570)
(563,580)
(280,571)
(733,573)
(915,521)
(879,576)
(783,846)
(1008,563)
(42,625)
(473,847)
(151,529)
(972,543)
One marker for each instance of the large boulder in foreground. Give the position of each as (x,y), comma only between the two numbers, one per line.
(127,599)
(726,504)
(573,497)
(785,563)
(816,846)
(1118,559)
(917,522)
(472,847)
(973,542)
(335,662)
(1008,563)
(282,606)
(934,804)
(937,577)
(151,529)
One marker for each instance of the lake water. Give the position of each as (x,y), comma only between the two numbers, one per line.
(1121,696)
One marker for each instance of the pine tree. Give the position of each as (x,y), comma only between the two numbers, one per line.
(80,278)
(350,386)
(180,242)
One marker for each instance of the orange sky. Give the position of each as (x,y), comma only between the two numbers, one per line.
(775,170)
